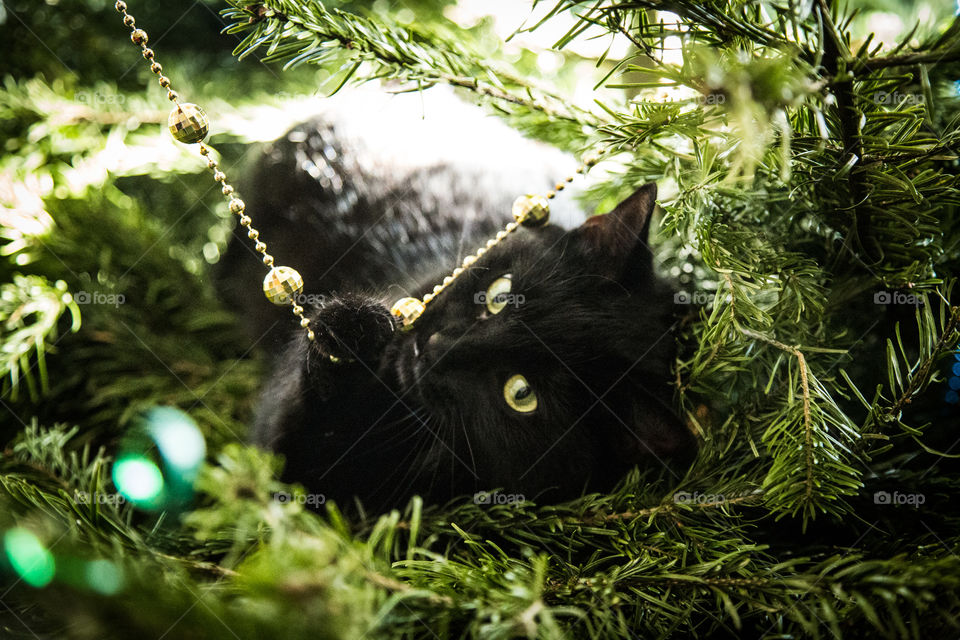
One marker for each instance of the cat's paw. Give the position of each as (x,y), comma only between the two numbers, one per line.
(352,327)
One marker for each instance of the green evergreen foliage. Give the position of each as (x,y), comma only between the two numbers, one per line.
(809,186)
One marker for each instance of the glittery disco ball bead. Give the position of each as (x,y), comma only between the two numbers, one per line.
(407,310)
(531,210)
(282,285)
(188,123)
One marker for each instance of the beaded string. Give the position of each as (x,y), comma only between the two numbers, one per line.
(189,124)
(530,210)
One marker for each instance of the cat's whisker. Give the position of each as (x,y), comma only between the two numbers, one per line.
(399,434)
(402,487)
(422,455)
(473,462)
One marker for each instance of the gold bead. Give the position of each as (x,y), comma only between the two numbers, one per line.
(204,149)
(579,169)
(531,210)
(447,280)
(173,96)
(120,6)
(253,234)
(260,247)
(407,310)
(427,298)
(148,53)
(569,178)
(457,271)
(282,285)
(304,323)
(268,259)
(129,21)
(139,36)
(297,310)
(310,335)
(560,186)
(511,226)
(157,68)
(164,82)
(212,163)
(501,235)
(237,205)
(551,195)
(437,289)
(591,160)
(187,122)
(227,190)
(245,221)
(469,260)
(219,176)
(480,252)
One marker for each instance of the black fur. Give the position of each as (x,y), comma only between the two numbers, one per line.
(422,411)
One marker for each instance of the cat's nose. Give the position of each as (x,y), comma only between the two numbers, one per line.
(437,345)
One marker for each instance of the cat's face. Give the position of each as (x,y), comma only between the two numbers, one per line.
(544,367)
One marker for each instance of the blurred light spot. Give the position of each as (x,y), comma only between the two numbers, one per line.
(138,479)
(211,252)
(104,577)
(28,557)
(549,61)
(178,438)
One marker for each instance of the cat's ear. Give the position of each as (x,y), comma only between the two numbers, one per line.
(616,242)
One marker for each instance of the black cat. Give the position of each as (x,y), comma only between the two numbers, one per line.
(542,370)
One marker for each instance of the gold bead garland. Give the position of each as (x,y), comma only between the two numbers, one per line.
(530,210)
(189,124)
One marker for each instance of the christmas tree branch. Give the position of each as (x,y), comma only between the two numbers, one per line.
(307,32)
(805,386)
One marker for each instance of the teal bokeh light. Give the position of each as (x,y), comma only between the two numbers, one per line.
(139,480)
(103,577)
(159,460)
(29,558)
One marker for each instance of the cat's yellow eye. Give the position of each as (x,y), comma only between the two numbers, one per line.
(498,292)
(519,394)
